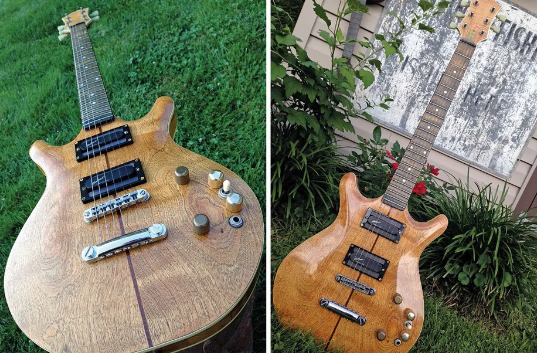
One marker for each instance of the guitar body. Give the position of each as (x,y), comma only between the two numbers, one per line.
(164,296)
(308,273)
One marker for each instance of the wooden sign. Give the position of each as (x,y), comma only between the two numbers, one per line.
(493,115)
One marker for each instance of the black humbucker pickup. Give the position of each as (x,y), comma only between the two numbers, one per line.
(112,180)
(102,143)
(366,262)
(383,225)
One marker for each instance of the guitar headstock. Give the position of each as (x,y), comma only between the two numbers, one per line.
(478,20)
(75,18)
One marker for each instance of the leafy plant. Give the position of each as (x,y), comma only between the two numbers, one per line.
(313,101)
(488,254)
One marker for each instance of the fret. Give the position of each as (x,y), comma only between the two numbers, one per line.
(433,113)
(430,122)
(407,172)
(455,71)
(397,196)
(418,154)
(417,144)
(436,105)
(393,203)
(454,90)
(90,114)
(410,165)
(92,109)
(452,77)
(397,193)
(402,183)
(93,101)
(464,56)
(99,117)
(444,98)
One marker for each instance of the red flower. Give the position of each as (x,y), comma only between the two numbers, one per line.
(390,155)
(420,188)
(395,165)
(434,171)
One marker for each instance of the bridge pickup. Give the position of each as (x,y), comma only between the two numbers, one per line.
(121,202)
(383,225)
(125,242)
(112,180)
(102,143)
(360,287)
(365,262)
(343,311)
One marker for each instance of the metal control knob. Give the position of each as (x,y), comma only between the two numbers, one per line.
(215,179)
(182,177)
(201,224)
(234,202)
(381,335)
(410,316)
(405,336)
(397,298)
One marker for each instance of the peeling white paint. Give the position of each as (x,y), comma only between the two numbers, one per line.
(495,110)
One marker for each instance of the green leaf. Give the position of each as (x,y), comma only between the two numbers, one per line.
(321,12)
(425,5)
(356,6)
(327,37)
(368,116)
(365,44)
(443,4)
(388,48)
(297,117)
(379,37)
(424,27)
(276,71)
(287,40)
(384,106)
(507,279)
(377,64)
(377,133)
(339,35)
(480,280)
(463,278)
(366,77)
(291,85)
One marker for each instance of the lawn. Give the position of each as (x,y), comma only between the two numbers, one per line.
(209,57)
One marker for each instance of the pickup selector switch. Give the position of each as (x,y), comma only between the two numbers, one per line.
(225,190)
(201,224)
(182,177)
(215,179)
(234,202)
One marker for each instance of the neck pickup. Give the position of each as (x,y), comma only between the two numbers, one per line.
(102,143)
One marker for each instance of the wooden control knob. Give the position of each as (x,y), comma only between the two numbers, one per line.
(234,202)
(201,224)
(381,335)
(215,179)
(182,177)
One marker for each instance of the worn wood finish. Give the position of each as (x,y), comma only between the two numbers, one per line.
(308,273)
(184,288)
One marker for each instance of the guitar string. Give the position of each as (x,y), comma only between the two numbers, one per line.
(83,96)
(93,120)
(74,42)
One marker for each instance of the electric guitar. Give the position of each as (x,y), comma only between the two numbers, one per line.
(356,284)
(137,244)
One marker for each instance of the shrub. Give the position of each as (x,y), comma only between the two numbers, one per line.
(487,254)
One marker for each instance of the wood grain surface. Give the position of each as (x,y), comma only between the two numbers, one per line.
(308,273)
(178,291)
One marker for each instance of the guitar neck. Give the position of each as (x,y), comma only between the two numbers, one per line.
(415,157)
(94,106)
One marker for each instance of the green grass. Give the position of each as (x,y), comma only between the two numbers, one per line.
(444,330)
(208,56)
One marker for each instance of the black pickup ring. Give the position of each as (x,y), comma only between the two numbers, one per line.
(111,181)
(102,143)
(366,262)
(383,225)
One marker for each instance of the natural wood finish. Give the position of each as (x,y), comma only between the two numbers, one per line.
(476,24)
(76,17)
(308,272)
(189,286)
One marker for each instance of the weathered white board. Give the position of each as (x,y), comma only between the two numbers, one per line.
(495,110)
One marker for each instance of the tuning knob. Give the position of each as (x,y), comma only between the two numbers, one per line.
(234,202)
(94,13)
(465,3)
(61,28)
(460,15)
(95,19)
(215,180)
(62,36)
(201,224)
(502,18)
(453,25)
(182,176)
(495,29)
(65,31)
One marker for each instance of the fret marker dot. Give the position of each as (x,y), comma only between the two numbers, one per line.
(409,169)
(428,127)
(445,92)
(404,180)
(411,147)
(424,152)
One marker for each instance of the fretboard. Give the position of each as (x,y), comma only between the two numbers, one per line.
(94,106)
(415,157)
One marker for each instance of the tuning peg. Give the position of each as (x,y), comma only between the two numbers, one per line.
(60,28)
(94,13)
(65,31)
(62,36)
(460,15)
(465,3)
(502,18)
(453,25)
(95,19)
(495,29)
